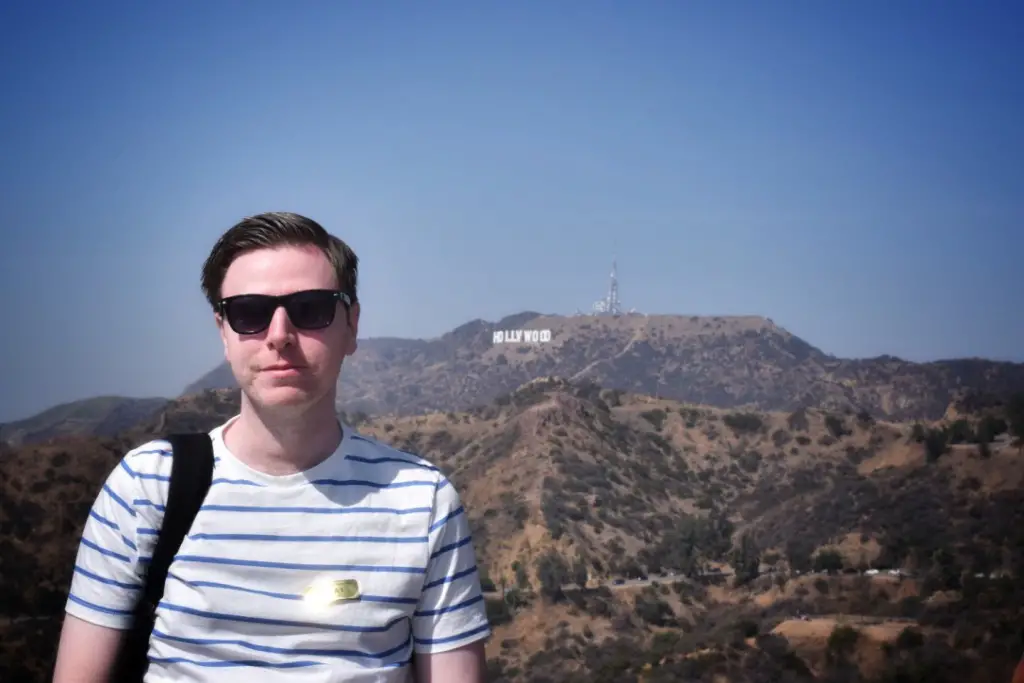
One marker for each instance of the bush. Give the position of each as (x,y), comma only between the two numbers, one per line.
(744,422)
(656,417)
(798,552)
(828,560)
(653,611)
(553,573)
(842,642)
(498,612)
(797,421)
(835,426)
(909,639)
(935,445)
(917,433)
(990,427)
(960,432)
(1015,416)
(750,461)
(780,438)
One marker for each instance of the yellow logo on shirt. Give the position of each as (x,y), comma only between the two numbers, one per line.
(324,591)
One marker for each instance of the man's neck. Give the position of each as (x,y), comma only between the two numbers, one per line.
(279,443)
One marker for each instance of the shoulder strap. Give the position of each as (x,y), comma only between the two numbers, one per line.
(191,475)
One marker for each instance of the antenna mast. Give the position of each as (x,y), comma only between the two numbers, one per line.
(609,305)
(613,292)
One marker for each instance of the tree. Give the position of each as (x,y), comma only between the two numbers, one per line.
(835,426)
(841,644)
(935,444)
(553,573)
(798,552)
(917,432)
(1015,419)
(522,578)
(828,560)
(746,560)
(579,572)
(945,570)
(960,431)
(992,426)
(980,557)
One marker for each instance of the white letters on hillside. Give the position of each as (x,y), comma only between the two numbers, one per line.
(522,336)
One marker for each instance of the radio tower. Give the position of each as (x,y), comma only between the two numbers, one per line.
(613,293)
(610,304)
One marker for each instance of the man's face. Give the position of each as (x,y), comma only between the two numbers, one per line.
(284,365)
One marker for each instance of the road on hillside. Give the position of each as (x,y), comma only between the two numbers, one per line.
(668,578)
(630,583)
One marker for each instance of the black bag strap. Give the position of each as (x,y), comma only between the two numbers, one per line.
(191,475)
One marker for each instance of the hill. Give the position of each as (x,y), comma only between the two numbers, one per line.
(750,522)
(723,361)
(98,416)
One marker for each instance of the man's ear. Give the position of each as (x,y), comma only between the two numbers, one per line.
(352,319)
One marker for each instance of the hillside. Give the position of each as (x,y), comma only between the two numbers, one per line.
(99,416)
(725,361)
(569,483)
(609,477)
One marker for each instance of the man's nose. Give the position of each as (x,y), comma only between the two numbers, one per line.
(281,332)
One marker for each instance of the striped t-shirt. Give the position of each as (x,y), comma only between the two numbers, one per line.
(245,596)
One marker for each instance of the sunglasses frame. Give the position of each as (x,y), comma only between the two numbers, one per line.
(286,301)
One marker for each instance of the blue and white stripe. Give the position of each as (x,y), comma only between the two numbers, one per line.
(234,596)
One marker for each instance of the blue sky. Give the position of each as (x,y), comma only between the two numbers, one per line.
(851,170)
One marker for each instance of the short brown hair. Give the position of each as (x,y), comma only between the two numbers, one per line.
(275,229)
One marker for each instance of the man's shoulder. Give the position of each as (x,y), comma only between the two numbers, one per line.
(155,456)
(141,476)
(403,473)
(369,454)
(149,463)
(151,459)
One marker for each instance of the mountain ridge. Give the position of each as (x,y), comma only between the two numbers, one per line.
(96,416)
(726,361)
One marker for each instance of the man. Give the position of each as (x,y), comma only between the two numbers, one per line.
(319,554)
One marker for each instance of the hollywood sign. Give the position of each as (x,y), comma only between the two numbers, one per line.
(522,336)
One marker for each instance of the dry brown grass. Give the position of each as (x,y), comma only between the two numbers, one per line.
(809,639)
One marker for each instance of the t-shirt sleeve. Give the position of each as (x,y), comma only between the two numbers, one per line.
(451,610)
(108,574)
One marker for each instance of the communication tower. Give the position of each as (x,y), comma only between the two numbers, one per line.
(609,305)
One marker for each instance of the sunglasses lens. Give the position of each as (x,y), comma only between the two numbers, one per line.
(249,314)
(312,310)
(309,310)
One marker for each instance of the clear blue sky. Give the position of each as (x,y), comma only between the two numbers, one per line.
(852,170)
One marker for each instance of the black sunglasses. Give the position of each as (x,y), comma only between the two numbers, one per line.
(311,309)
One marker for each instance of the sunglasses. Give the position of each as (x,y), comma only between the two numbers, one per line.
(312,309)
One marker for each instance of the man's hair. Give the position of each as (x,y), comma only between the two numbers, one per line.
(277,229)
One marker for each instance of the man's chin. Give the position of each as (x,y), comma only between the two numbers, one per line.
(285,395)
